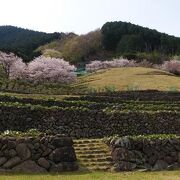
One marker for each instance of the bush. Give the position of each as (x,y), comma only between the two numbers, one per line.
(115,63)
(172,66)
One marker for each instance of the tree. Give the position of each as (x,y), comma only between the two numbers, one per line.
(130,44)
(79,48)
(24,42)
(13,66)
(130,37)
(172,66)
(46,69)
(115,63)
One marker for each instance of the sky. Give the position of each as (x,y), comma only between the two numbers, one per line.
(82,16)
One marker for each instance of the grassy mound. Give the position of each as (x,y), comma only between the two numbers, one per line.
(132,78)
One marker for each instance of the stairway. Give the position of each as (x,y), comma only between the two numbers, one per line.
(92,154)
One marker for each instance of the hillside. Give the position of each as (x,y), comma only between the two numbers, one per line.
(136,78)
(124,37)
(23,42)
(115,39)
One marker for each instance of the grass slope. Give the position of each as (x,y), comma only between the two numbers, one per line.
(132,78)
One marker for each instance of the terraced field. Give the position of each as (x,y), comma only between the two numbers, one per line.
(94,116)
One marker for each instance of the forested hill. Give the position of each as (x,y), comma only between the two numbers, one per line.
(24,42)
(114,39)
(123,37)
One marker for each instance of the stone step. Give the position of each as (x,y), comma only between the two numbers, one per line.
(108,158)
(98,168)
(90,148)
(99,164)
(86,141)
(101,153)
(89,145)
(82,160)
(93,154)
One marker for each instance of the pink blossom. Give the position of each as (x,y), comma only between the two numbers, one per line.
(44,69)
(172,66)
(115,63)
(12,65)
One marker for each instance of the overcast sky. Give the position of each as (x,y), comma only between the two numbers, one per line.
(82,16)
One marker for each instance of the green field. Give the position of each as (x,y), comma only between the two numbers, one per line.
(163,175)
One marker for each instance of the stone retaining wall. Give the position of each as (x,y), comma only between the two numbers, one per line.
(158,154)
(83,123)
(144,95)
(40,154)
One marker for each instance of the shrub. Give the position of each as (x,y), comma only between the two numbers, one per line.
(172,66)
(115,63)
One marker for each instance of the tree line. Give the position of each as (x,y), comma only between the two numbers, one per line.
(113,40)
(24,42)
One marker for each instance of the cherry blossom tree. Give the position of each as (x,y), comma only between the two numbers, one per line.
(12,65)
(46,69)
(172,66)
(115,63)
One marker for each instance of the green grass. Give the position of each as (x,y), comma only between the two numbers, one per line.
(132,77)
(162,175)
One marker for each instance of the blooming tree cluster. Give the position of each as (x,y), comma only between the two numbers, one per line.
(172,66)
(41,69)
(115,63)
(12,65)
(46,69)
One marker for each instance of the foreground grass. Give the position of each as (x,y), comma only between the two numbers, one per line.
(162,175)
(133,78)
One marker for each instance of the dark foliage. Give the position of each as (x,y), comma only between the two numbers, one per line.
(24,42)
(123,38)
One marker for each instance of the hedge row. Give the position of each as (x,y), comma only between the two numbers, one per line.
(82,122)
